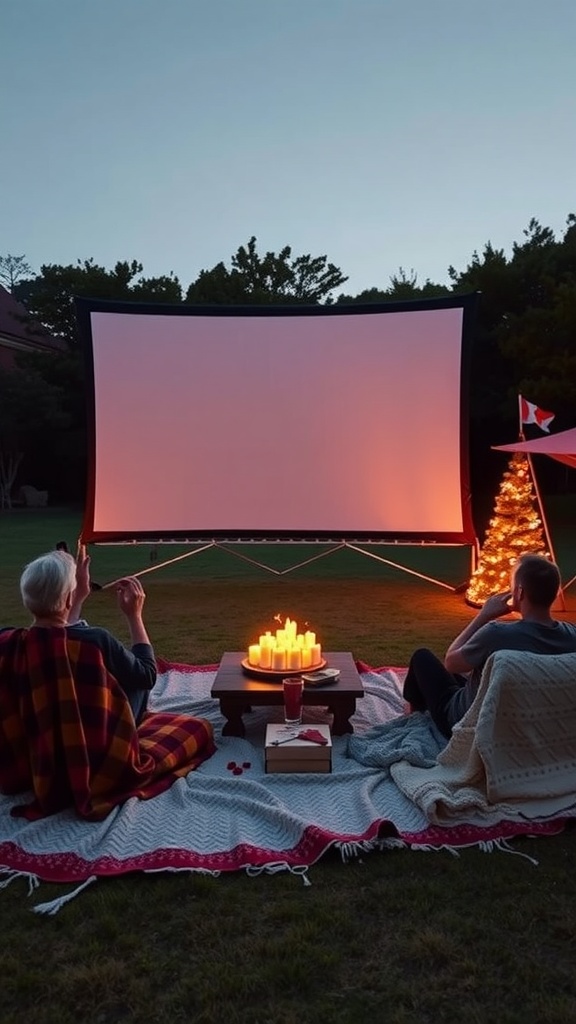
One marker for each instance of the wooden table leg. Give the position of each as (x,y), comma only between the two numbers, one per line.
(343,710)
(232,711)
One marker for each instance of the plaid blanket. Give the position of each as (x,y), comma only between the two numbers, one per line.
(67,731)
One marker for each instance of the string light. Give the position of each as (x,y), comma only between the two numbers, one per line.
(515,529)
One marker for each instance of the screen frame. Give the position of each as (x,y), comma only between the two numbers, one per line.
(468,303)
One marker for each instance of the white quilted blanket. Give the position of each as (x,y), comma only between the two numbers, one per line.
(513,755)
(230,815)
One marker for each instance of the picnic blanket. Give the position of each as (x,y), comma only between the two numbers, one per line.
(513,755)
(230,815)
(67,732)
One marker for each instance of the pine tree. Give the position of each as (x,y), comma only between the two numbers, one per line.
(515,529)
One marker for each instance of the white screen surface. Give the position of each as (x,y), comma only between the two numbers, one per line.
(346,424)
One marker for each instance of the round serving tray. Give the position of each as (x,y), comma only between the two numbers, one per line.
(275,675)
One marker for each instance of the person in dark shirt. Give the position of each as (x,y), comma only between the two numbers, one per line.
(448,689)
(54,588)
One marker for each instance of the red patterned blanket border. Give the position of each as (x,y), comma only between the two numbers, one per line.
(68,867)
(165,666)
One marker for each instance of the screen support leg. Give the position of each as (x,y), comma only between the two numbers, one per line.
(298,565)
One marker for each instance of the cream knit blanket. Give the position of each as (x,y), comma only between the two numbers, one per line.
(513,755)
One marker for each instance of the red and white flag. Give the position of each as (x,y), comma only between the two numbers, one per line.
(530,413)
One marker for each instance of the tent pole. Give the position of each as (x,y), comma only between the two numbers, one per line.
(545,525)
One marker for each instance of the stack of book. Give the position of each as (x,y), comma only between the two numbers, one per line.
(288,749)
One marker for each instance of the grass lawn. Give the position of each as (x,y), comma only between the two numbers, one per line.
(397,937)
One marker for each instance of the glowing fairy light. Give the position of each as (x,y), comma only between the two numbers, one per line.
(514,529)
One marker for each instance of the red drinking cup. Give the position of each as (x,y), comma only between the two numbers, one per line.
(293,689)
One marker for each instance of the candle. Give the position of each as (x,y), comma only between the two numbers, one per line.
(286,650)
(306,657)
(265,657)
(294,658)
(279,659)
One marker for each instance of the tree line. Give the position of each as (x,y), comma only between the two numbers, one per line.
(525,342)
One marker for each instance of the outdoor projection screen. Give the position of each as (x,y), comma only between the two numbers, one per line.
(278,422)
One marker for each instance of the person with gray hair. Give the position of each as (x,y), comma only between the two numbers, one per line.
(53,589)
(447,689)
(48,584)
(75,730)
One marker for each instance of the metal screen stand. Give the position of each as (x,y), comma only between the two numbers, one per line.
(307,561)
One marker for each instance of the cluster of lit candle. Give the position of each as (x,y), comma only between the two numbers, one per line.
(287,650)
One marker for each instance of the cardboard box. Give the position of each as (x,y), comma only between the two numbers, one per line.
(286,767)
(293,754)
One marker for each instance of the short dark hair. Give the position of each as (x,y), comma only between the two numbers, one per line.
(539,578)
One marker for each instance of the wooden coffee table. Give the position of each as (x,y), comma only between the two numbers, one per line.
(237,692)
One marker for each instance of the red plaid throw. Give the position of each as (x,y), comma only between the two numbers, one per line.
(67,731)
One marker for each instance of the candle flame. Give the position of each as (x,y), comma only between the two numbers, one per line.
(287,650)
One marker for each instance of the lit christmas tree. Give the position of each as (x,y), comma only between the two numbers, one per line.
(515,529)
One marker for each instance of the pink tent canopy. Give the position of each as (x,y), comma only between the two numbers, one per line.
(561,447)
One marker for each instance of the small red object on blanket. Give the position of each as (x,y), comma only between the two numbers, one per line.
(313,736)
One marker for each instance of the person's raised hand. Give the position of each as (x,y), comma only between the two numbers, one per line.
(82,590)
(131,596)
(497,605)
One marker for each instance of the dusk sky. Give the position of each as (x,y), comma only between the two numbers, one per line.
(381,133)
